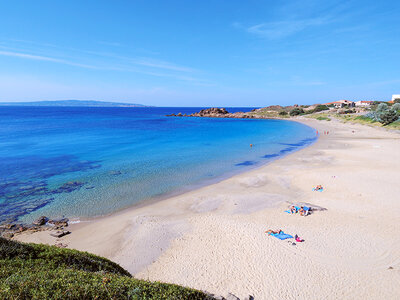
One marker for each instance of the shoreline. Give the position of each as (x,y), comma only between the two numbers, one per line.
(192,187)
(213,237)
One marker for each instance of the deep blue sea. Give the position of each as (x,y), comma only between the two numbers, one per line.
(83,162)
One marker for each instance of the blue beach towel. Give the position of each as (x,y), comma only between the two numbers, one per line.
(320,190)
(282,236)
(289,212)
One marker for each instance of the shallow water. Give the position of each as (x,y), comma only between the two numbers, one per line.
(77,162)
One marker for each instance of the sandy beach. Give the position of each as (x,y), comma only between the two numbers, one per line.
(213,238)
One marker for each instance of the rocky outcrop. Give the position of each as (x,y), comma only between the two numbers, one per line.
(55,226)
(40,221)
(60,233)
(215,112)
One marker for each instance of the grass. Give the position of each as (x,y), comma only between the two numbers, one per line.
(319,116)
(367,121)
(31,271)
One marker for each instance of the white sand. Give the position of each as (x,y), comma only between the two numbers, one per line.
(213,238)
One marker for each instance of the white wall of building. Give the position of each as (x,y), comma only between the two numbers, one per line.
(394,97)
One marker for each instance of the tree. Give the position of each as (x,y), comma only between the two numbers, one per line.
(388,116)
(296,111)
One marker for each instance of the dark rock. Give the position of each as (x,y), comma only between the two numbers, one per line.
(59,234)
(115,173)
(59,222)
(40,221)
(68,187)
(7,235)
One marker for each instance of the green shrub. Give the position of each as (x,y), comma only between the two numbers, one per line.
(322,118)
(396,107)
(388,116)
(29,271)
(320,107)
(296,111)
(283,113)
(382,107)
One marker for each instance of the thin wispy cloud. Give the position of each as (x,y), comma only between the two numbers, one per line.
(109,62)
(44,58)
(144,61)
(284,28)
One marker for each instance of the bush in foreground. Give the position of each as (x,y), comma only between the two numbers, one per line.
(388,116)
(29,271)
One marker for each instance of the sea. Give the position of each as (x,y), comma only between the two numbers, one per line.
(82,162)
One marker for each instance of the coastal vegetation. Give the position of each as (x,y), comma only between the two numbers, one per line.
(32,271)
(378,113)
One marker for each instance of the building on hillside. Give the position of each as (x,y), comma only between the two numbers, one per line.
(363,103)
(395,97)
(341,103)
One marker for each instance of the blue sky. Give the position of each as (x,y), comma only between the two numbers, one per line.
(200,53)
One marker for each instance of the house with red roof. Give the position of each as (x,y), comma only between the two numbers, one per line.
(341,103)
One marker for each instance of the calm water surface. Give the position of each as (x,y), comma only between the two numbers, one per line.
(77,162)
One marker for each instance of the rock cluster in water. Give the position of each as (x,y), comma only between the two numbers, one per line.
(215,112)
(56,226)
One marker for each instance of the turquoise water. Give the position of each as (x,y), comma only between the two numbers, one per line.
(116,157)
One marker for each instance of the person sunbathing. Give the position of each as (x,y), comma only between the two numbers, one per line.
(318,187)
(293,209)
(270,231)
(302,211)
(298,239)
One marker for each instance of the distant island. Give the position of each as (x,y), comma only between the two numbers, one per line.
(80,103)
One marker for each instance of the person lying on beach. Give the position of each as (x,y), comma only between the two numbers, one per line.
(298,239)
(302,211)
(318,187)
(270,231)
(293,209)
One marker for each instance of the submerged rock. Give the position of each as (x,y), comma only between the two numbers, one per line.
(68,187)
(115,172)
